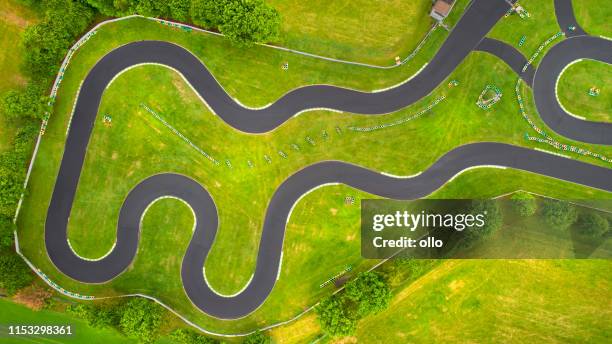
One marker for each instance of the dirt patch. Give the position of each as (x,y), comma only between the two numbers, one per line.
(10,15)
(33,297)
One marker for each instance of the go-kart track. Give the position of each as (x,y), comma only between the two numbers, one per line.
(477,21)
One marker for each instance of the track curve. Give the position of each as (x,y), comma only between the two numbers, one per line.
(545,82)
(473,26)
(510,55)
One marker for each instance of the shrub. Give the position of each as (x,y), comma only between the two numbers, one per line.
(592,224)
(559,214)
(140,318)
(524,203)
(186,336)
(14,273)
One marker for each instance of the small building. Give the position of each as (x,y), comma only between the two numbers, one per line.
(441,9)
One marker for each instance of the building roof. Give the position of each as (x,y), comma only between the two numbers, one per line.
(443,7)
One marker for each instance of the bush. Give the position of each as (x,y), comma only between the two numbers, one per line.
(140,318)
(257,338)
(592,224)
(334,318)
(524,203)
(250,21)
(13,170)
(30,102)
(559,214)
(7,227)
(46,43)
(369,292)
(493,221)
(208,13)
(186,336)
(14,273)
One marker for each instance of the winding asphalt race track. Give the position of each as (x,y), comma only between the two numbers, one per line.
(476,22)
(545,84)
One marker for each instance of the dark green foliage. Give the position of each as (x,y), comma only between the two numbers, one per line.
(46,43)
(186,336)
(13,168)
(257,338)
(140,319)
(493,221)
(6,233)
(369,292)
(335,318)
(14,273)
(96,316)
(524,203)
(30,102)
(559,214)
(208,13)
(592,224)
(250,21)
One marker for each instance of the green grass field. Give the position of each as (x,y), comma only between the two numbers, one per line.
(364,31)
(138,145)
(14,17)
(575,83)
(499,301)
(540,26)
(593,17)
(14,314)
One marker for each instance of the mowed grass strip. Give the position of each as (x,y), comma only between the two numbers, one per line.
(594,17)
(575,83)
(364,31)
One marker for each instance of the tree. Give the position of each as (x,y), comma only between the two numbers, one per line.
(493,221)
(250,21)
(559,214)
(140,319)
(257,338)
(186,336)
(7,228)
(208,13)
(29,102)
(592,224)
(369,292)
(334,318)
(45,43)
(524,203)
(14,273)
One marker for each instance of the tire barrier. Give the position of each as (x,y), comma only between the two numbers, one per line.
(399,121)
(486,104)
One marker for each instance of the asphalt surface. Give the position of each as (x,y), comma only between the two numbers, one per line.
(564,11)
(510,55)
(476,22)
(544,88)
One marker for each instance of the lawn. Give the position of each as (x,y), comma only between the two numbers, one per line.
(137,145)
(501,301)
(575,83)
(364,31)
(14,314)
(540,26)
(594,16)
(14,17)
